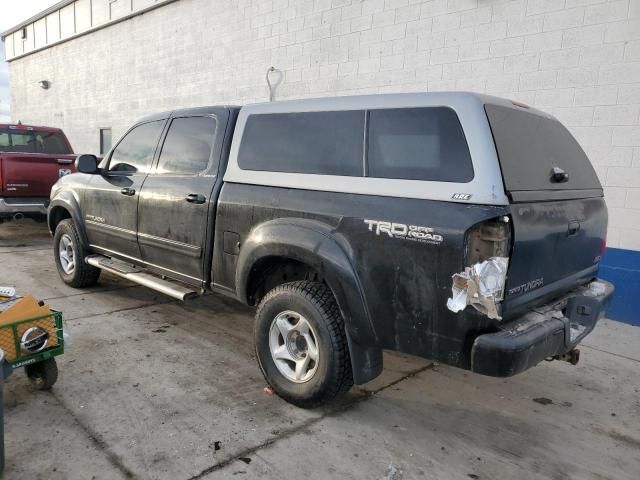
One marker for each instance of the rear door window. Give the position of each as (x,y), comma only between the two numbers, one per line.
(323,143)
(530,145)
(418,144)
(188,145)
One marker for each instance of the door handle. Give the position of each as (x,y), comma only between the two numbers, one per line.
(573,228)
(195,198)
(128,191)
(558,175)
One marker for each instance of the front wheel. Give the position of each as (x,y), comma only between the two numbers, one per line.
(70,254)
(301,344)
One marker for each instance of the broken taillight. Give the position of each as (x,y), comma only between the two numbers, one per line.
(491,238)
(481,284)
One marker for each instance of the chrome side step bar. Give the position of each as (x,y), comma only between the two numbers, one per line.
(141,277)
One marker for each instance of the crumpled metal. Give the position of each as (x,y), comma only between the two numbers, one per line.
(481,286)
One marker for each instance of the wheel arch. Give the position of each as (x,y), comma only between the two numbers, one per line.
(309,249)
(63,206)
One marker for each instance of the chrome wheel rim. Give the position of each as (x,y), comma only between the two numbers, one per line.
(294,346)
(65,253)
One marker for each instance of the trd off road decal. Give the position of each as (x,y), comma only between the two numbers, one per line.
(403,231)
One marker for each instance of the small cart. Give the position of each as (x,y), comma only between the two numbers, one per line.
(31,343)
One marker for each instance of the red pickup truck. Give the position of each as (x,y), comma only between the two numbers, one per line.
(32,159)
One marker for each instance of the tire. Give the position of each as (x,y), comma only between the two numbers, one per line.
(81,275)
(324,377)
(42,375)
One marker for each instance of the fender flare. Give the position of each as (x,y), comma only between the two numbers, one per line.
(317,245)
(69,202)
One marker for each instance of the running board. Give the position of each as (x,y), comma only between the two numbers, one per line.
(141,277)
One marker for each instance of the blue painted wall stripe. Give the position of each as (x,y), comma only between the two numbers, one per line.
(622,268)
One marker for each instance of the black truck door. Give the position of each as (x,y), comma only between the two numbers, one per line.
(175,202)
(111,199)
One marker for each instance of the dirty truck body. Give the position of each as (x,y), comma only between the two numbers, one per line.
(32,159)
(456,227)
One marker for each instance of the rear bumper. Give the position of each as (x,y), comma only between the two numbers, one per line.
(9,207)
(549,330)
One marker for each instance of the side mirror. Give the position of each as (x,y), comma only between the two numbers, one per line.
(87,163)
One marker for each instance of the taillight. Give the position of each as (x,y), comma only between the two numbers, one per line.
(491,238)
(603,247)
(481,284)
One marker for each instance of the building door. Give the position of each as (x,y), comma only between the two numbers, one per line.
(175,201)
(111,200)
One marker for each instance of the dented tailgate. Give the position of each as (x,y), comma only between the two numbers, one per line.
(32,175)
(556,246)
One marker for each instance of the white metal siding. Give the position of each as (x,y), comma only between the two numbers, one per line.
(53,27)
(67,21)
(40,31)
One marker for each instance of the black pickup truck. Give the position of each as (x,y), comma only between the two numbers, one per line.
(458,227)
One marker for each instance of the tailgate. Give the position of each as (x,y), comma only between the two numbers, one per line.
(557,208)
(32,174)
(556,246)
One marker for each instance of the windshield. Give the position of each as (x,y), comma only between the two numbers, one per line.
(33,141)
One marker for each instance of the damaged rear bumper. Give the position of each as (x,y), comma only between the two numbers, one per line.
(547,331)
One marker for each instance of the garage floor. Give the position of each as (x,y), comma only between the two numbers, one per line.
(153,389)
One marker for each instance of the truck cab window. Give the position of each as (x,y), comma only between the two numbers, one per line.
(187,147)
(24,142)
(134,153)
(52,143)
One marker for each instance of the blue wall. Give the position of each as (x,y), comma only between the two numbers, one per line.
(622,268)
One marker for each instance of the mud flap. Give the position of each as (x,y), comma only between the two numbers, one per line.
(366,362)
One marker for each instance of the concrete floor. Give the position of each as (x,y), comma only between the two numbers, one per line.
(153,389)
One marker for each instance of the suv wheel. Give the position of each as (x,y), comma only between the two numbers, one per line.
(70,254)
(301,344)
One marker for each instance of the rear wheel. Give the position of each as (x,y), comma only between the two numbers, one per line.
(70,254)
(301,344)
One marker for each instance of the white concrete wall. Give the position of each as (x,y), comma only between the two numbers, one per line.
(578,59)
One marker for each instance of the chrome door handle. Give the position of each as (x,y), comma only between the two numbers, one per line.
(195,198)
(128,191)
